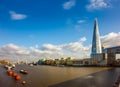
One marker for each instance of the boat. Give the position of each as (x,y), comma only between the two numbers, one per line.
(34,63)
(31,64)
(13,65)
(8,67)
(23,72)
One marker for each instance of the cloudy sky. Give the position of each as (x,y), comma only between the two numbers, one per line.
(33,29)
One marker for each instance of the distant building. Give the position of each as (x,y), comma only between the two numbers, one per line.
(77,62)
(86,61)
(4,62)
(110,54)
(101,55)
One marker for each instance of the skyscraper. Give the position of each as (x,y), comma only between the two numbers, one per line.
(96,43)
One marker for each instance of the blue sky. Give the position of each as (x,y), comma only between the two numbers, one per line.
(37,22)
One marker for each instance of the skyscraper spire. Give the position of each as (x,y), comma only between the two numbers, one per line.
(96,43)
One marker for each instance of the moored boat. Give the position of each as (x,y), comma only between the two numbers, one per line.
(23,71)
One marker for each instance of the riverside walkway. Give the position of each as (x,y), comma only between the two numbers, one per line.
(100,79)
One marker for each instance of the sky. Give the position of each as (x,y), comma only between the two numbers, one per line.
(36,29)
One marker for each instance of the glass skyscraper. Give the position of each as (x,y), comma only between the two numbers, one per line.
(96,43)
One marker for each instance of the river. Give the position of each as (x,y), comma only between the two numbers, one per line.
(44,76)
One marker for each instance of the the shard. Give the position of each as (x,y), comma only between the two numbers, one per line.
(96,43)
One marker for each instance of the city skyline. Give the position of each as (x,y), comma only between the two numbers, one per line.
(56,28)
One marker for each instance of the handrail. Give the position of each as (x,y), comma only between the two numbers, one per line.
(117,82)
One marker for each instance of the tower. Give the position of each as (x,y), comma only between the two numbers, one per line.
(96,43)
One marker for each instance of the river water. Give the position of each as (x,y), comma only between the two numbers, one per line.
(44,76)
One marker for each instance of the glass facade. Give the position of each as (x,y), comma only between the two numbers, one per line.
(96,43)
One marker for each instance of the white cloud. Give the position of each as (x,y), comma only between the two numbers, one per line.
(51,47)
(13,49)
(98,4)
(69,4)
(16,16)
(35,50)
(12,52)
(111,39)
(75,47)
(80,21)
(83,39)
(78,49)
